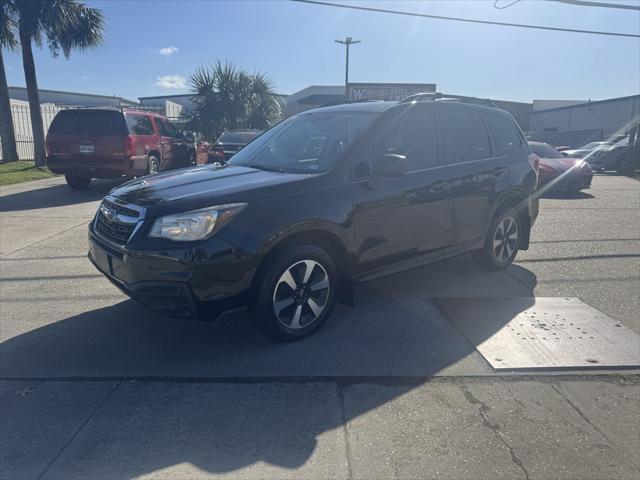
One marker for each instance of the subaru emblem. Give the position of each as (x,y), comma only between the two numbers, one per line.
(109,213)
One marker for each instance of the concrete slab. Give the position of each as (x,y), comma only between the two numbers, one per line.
(497,429)
(38,420)
(543,333)
(34,211)
(164,430)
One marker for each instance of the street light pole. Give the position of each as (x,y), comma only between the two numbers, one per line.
(347,42)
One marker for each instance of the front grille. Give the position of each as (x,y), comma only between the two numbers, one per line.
(116,230)
(121,209)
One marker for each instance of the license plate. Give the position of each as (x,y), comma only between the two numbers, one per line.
(87,148)
(102,259)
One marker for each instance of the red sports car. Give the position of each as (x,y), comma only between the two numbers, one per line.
(560,173)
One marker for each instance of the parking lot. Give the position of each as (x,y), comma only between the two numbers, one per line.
(95,386)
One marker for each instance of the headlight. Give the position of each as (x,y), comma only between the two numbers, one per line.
(195,225)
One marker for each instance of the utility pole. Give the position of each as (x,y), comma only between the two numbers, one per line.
(346,42)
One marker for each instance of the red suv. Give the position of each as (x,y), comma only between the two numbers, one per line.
(100,143)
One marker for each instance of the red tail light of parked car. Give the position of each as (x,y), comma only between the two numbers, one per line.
(129,146)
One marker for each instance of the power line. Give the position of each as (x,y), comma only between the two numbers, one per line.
(577,3)
(495,4)
(585,3)
(467,20)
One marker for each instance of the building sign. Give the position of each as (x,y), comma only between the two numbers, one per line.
(387,91)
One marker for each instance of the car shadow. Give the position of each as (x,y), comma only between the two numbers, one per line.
(395,335)
(567,195)
(56,196)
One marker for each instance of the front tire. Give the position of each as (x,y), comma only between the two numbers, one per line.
(77,182)
(501,243)
(295,294)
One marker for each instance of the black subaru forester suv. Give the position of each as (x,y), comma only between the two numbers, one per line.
(325,198)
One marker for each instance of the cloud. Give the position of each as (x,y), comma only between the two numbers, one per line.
(87,77)
(171,81)
(166,51)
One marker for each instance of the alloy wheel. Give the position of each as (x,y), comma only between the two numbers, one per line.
(301,294)
(505,239)
(153,166)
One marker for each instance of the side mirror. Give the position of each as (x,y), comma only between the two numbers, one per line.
(391,165)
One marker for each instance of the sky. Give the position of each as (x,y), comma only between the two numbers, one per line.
(153,46)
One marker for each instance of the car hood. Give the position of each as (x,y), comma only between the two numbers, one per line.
(198,187)
(560,164)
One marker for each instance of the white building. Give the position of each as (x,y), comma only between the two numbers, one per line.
(578,124)
(75,99)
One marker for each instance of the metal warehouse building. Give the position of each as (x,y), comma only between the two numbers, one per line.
(576,125)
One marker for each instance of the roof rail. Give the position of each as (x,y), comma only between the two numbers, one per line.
(438,97)
(148,109)
(347,101)
(422,97)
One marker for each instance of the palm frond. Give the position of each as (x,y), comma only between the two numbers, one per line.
(226,97)
(69,25)
(8,26)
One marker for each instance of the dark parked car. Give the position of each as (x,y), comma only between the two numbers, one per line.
(567,173)
(230,143)
(618,158)
(590,150)
(91,143)
(325,198)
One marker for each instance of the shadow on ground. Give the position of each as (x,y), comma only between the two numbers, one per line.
(560,195)
(395,334)
(56,196)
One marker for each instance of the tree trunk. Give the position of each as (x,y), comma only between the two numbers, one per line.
(7,134)
(37,127)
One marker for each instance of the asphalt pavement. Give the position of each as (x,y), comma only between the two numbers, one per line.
(94,386)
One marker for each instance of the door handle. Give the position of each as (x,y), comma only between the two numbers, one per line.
(499,171)
(438,187)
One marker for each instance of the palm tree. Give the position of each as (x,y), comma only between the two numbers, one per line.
(226,97)
(66,25)
(8,41)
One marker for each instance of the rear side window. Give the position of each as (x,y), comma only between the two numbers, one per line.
(464,136)
(167,129)
(88,122)
(413,134)
(139,125)
(504,133)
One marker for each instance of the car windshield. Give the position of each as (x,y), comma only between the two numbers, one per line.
(594,145)
(544,150)
(305,143)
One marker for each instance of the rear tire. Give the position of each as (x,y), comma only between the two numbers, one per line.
(153,165)
(501,243)
(77,182)
(625,166)
(295,294)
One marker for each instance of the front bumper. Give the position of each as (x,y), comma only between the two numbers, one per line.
(202,282)
(576,180)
